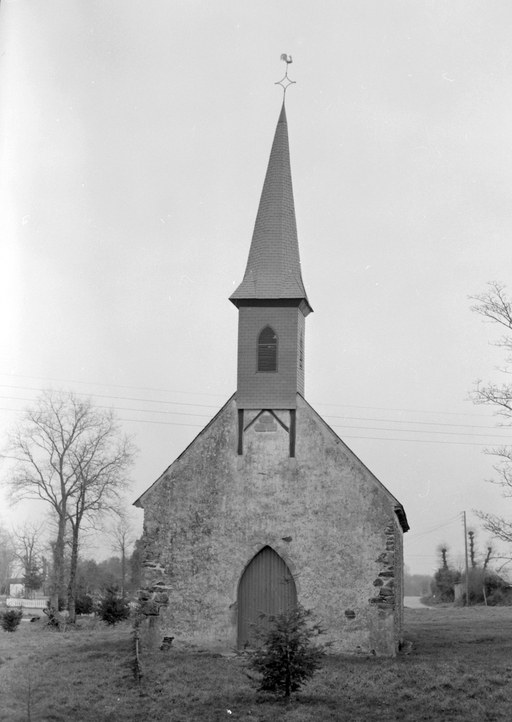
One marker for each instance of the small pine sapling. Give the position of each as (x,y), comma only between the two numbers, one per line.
(10,619)
(113,608)
(287,657)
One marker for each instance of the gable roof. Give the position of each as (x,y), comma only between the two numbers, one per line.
(273,268)
(138,502)
(398,508)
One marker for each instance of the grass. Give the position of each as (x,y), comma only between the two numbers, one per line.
(459,668)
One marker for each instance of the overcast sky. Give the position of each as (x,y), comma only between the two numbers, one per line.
(134,142)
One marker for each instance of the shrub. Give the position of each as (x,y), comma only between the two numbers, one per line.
(443,584)
(10,619)
(486,586)
(287,657)
(500,597)
(84,604)
(113,608)
(55,618)
(496,598)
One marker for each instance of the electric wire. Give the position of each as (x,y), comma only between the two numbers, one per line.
(413,538)
(121,398)
(211,406)
(348,436)
(197,393)
(336,426)
(126,408)
(400,421)
(117,386)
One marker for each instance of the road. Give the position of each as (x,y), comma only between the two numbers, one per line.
(414,603)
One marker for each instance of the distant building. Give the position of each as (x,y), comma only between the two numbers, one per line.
(16,587)
(268,506)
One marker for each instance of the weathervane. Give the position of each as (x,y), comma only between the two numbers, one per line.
(286,82)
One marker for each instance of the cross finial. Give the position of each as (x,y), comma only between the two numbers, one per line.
(286,82)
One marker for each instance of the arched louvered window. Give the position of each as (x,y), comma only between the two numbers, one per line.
(267,350)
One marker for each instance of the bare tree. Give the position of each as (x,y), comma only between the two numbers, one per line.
(498,526)
(7,557)
(496,307)
(28,544)
(75,458)
(101,463)
(121,538)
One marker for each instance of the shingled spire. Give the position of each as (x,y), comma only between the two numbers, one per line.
(271,299)
(273,268)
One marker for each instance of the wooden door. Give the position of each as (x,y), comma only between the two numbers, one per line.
(267,587)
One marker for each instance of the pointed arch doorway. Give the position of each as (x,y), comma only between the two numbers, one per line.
(266,586)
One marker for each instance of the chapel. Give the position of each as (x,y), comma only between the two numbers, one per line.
(268,507)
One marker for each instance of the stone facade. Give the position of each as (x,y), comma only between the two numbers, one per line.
(335,525)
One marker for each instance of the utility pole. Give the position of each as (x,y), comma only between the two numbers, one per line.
(467,565)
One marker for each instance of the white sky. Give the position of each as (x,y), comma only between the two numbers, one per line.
(134,142)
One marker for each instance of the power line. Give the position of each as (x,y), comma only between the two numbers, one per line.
(125,408)
(419,431)
(122,398)
(450,519)
(415,441)
(162,423)
(117,386)
(367,438)
(211,406)
(337,426)
(420,535)
(197,393)
(350,418)
(408,411)
(418,423)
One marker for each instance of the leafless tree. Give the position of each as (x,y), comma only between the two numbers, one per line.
(28,542)
(101,463)
(28,545)
(498,526)
(7,557)
(496,307)
(121,538)
(75,458)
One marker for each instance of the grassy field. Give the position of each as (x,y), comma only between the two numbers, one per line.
(458,668)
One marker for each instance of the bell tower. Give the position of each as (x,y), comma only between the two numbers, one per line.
(271,299)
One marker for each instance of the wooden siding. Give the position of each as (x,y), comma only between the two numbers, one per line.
(266,587)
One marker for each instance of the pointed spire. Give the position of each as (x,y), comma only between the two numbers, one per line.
(273,268)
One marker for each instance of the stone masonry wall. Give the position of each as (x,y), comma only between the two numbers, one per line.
(323,512)
(399,585)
